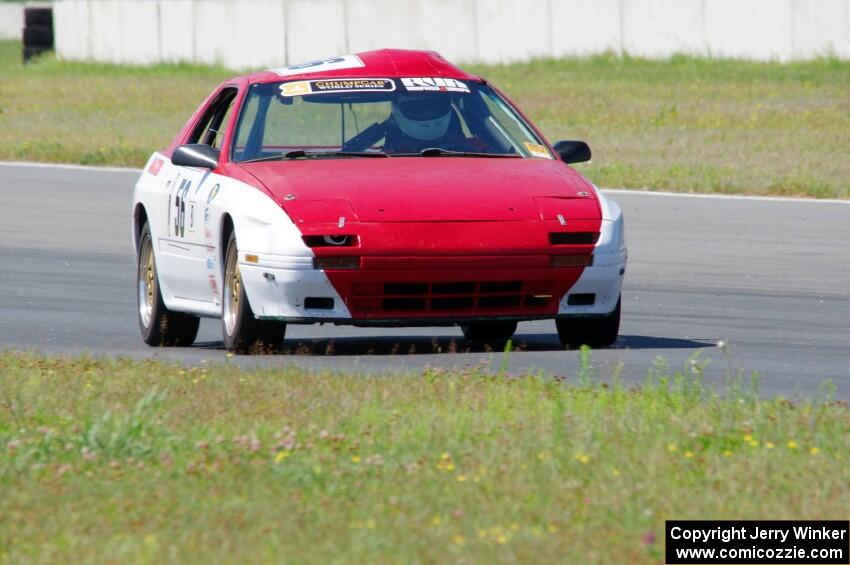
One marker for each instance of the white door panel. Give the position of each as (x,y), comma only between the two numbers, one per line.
(183,249)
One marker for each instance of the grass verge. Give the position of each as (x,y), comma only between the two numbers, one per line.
(94,114)
(696,125)
(144,461)
(684,124)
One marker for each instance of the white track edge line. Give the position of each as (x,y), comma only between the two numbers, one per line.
(642,192)
(625,191)
(35,165)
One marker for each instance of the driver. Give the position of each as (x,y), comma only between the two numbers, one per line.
(420,122)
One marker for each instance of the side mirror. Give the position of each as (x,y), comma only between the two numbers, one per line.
(195,155)
(573,151)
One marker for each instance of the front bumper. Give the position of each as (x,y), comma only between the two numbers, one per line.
(604,280)
(278,288)
(431,291)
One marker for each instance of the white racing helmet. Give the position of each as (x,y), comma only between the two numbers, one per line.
(424,117)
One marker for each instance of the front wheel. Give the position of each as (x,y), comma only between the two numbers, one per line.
(242,331)
(484,331)
(595,332)
(158,324)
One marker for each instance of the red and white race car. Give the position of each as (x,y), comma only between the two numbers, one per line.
(387,188)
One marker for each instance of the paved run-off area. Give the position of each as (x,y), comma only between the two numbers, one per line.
(769,278)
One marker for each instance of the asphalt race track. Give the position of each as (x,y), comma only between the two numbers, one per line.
(768,277)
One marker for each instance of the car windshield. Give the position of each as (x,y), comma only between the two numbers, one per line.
(340,118)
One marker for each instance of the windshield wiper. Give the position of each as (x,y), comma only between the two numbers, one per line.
(302,154)
(358,154)
(440,152)
(294,154)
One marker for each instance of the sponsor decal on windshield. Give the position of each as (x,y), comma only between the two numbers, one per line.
(321,65)
(435,84)
(537,150)
(337,85)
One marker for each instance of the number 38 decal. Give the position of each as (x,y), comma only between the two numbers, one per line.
(179,209)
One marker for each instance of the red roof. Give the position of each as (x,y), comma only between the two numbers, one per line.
(384,63)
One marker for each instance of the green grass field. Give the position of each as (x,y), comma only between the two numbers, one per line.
(124,461)
(684,124)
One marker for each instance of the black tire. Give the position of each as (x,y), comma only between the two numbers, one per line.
(38,36)
(241,330)
(595,332)
(159,325)
(489,331)
(38,17)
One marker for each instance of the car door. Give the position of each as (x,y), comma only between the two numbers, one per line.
(184,256)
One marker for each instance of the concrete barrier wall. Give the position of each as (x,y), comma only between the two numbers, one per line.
(12,17)
(11,20)
(261,33)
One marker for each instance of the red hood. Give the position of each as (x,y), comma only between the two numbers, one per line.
(422,189)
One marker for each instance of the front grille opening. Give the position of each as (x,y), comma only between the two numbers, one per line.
(318,303)
(453,303)
(453,288)
(501,287)
(404,304)
(498,301)
(452,296)
(405,288)
(581,299)
(573,238)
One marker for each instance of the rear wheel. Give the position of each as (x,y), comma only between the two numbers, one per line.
(158,324)
(595,332)
(483,331)
(243,332)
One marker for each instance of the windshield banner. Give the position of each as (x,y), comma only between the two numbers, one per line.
(337,85)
